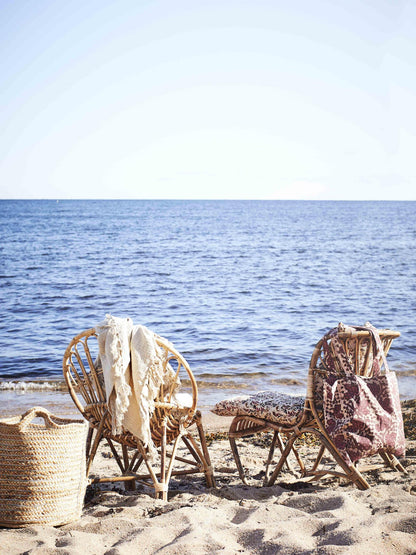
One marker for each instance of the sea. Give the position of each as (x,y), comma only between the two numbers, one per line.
(243,289)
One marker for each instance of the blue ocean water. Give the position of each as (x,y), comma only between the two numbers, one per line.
(244,289)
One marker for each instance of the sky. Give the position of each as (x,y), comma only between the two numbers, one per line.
(201,99)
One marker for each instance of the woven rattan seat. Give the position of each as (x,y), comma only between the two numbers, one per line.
(256,414)
(170,422)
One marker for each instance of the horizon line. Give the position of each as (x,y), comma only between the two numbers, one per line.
(58,199)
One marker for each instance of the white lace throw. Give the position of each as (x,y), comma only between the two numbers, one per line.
(133,373)
(114,353)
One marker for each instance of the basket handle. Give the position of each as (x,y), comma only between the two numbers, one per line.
(29,415)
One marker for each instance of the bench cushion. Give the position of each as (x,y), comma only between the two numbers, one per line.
(268,405)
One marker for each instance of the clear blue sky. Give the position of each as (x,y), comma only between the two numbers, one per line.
(267,99)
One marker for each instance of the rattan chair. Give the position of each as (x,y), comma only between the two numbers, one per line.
(309,418)
(169,423)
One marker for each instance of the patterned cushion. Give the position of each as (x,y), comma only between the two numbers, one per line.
(268,405)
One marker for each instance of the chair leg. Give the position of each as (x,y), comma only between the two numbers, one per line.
(161,489)
(351,472)
(94,447)
(295,452)
(398,465)
(161,485)
(243,427)
(358,478)
(206,461)
(278,440)
(197,454)
(299,459)
(281,445)
(163,462)
(89,440)
(288,447)
(171,462)
(318,458)
(135,462)
(129,485)
(240,428)
(237,459)
(391,461)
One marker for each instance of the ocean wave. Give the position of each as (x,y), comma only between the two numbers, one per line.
(235,375)
(32,386)
(288,381)
(220,385)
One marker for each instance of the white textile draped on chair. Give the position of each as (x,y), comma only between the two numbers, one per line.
(133,372)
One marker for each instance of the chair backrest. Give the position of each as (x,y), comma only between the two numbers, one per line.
(360,348)
(85,381)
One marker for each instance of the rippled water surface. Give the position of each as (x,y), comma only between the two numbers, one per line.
(244,289)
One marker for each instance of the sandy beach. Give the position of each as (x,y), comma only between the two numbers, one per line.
(291,517)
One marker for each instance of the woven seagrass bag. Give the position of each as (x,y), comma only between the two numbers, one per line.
(42,469)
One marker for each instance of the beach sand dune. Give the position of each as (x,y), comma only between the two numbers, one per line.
(292,517)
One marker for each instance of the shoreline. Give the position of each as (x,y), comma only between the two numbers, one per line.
(291,517)
(17,396)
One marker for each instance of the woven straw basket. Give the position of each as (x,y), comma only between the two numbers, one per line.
(42,469)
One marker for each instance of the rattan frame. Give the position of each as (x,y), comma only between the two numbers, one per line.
(168,425)
(359,344)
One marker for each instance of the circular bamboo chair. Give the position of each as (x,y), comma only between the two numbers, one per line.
(169,423)
(360,348)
